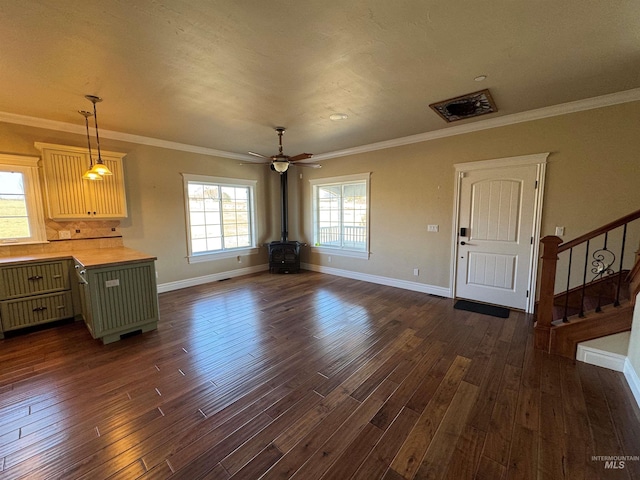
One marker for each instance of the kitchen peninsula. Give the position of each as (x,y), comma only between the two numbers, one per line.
(112,289)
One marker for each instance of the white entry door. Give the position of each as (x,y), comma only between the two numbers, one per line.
(496,224)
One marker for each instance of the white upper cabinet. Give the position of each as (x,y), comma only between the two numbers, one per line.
(69,196)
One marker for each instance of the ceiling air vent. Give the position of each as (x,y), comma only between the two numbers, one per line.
(465,106)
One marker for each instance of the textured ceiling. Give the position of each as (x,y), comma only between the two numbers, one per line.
(221,74)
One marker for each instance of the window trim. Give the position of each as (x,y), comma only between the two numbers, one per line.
(28,166)
(225,182)
(341,180)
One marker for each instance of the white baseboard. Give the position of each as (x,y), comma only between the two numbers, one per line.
(214,277)
(632,380)
(601,358)
(390,282)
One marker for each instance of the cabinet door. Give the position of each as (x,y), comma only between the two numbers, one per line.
(25,312)
(108,195)
(71,197)
(67,194)
(33,278)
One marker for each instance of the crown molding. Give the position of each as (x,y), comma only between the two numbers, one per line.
(625,96)
(113,135)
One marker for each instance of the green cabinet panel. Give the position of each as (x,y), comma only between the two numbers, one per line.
(33,278)
(29,311)
(119,299)
(34,293)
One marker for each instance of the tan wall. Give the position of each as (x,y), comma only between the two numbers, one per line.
(592,178)
(156,222)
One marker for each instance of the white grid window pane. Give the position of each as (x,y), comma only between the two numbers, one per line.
(220,217)
(341,215)
(14,218)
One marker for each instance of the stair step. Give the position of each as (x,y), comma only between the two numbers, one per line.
(608,352)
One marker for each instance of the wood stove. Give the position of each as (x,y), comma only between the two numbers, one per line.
(284,255)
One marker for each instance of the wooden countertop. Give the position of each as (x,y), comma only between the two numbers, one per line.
(93,258)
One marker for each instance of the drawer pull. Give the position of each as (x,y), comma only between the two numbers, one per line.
(35,277)
(57,276)
(39,309)
(61,307)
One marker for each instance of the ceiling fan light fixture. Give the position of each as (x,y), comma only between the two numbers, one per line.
(280,166)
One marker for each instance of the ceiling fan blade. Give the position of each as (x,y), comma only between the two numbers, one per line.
(302,156)
(255,163)
(312,165)
(259,155)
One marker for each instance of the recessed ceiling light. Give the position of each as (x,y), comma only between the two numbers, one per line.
(480,78)
(338,116)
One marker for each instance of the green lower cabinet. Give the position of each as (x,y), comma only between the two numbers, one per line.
(32,311)
(117,300)
(33,293)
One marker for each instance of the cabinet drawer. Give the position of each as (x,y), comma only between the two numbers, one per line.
(35,310)
(33,278)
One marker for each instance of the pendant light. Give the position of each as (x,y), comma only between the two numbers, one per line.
(100,168)
(89,174)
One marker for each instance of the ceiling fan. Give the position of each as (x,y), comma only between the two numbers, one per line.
(281,162)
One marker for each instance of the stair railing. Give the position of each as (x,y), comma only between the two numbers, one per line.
(598,264)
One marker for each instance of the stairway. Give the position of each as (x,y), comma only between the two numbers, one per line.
(603,301)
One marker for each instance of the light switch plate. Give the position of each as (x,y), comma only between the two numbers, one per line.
(112,283)
(559,231)
(432,228)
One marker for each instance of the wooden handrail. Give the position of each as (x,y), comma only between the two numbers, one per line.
(552,246)
(599,231)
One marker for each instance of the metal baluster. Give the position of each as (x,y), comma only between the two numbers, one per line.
(584,280)
(566,295)
(599,306)
(624,239)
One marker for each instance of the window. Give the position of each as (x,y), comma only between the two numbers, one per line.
(21,216)
(341,215)
(220,217)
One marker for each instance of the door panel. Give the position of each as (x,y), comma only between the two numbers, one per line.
(492,270)
(494,256)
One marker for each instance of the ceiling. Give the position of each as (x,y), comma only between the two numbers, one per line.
(221,74)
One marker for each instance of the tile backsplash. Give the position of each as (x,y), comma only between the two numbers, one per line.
(60,246)
(71,236)
(81,229)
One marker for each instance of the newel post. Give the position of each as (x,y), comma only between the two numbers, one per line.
(544,316)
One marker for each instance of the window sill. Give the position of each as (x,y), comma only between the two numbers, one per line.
(209,257)
(341,252)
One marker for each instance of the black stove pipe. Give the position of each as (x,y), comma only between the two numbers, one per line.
(284,208)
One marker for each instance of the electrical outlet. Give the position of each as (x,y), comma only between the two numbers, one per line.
(329,259)
(559,231)
(432,228)
(112,283)
(416,272)
(64,234)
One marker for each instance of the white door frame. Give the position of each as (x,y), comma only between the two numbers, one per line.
(539,159)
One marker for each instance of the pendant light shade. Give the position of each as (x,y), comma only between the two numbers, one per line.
(100,168)
(89,174)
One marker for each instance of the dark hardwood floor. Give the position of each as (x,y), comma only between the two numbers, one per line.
(309,376)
